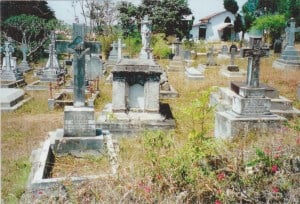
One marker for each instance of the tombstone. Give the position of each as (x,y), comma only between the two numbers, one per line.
(224,52)
(52,72)
(94,68)
(232,70)
(194,74)
(24,66)
(176,64)
(135,99)
(113,54)
(250,109)
(9,70)
(167,91)
(146,38)
(210,57)
(290,57)
(277,46)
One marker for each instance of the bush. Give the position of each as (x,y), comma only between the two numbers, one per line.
(161,49)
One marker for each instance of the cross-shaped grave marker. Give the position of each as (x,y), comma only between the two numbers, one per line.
(290,32)
(254,54)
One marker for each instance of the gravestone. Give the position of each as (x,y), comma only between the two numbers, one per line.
(146,38)
(94,68)
(176,64)
(210,57)
(194,74)
(135,99)
(52,71)
(9,70)
(79,120)
(250,109)
(290,57)
(24,66)
(223,53)
(167,91)
(113,54)
(277,46)
(232,70)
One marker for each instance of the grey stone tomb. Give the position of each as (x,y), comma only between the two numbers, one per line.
(9,70)
(24,66)
(176,64)
(250,109)
(52,71)
(290,57)
(12,99)
(224,52)
(146,38)
(135,99)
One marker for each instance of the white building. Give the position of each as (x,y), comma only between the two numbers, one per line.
(215,27)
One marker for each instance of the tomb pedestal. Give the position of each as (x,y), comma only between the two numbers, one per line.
(194,74)
(24,67)
(290,59)
(12,99)
(79,122)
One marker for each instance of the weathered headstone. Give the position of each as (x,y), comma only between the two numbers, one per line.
(232,70)
(146,37)
(9,69)
(250,108)
(94,68)
(290,57)
(277,46)
(210,57)
(24,66)
(176,64)
(113,55)
(223,52)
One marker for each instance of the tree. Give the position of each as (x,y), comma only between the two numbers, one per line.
(35,29)
(231,5)
(127,15)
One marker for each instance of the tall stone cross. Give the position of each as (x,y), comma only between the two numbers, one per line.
(290,32)
(78,51)
(254,54)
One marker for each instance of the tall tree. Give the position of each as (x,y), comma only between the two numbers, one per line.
(231,5)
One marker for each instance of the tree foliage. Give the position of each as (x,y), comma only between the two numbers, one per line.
(166,16)
(231,5)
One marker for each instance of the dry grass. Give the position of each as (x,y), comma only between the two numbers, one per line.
(23,130)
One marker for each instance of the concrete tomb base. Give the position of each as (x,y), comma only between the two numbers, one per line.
(128,123)
(229,124)
(289,59)
(167,94)
(24,67)
(232,71)
(223,100)
(176,64)
(194,74)
(12,99)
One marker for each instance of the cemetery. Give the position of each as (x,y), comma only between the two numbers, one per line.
(151,109)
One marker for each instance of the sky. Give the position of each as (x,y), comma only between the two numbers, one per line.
(200,8)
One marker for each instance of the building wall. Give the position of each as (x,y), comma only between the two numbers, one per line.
(212,32)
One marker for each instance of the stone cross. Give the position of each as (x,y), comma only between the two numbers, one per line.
(210,56)
(78,51)
(254,54)
(232,55)
(290,32)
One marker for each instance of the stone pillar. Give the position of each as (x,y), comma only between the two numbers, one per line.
(152,95)
(119,95)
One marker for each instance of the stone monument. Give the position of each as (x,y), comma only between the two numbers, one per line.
(135,99)
(94,68)
(223,53)
(176,64)
(9,71)
(146,38)
(210,57)
(120,46)
(290,57)
(250,107)
(113,54)
(52,71)
(24,66)
(232,70)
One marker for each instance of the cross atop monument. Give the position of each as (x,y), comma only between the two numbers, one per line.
(77,48)
(24,47)
(291,32)
(8,50)
(254,53)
